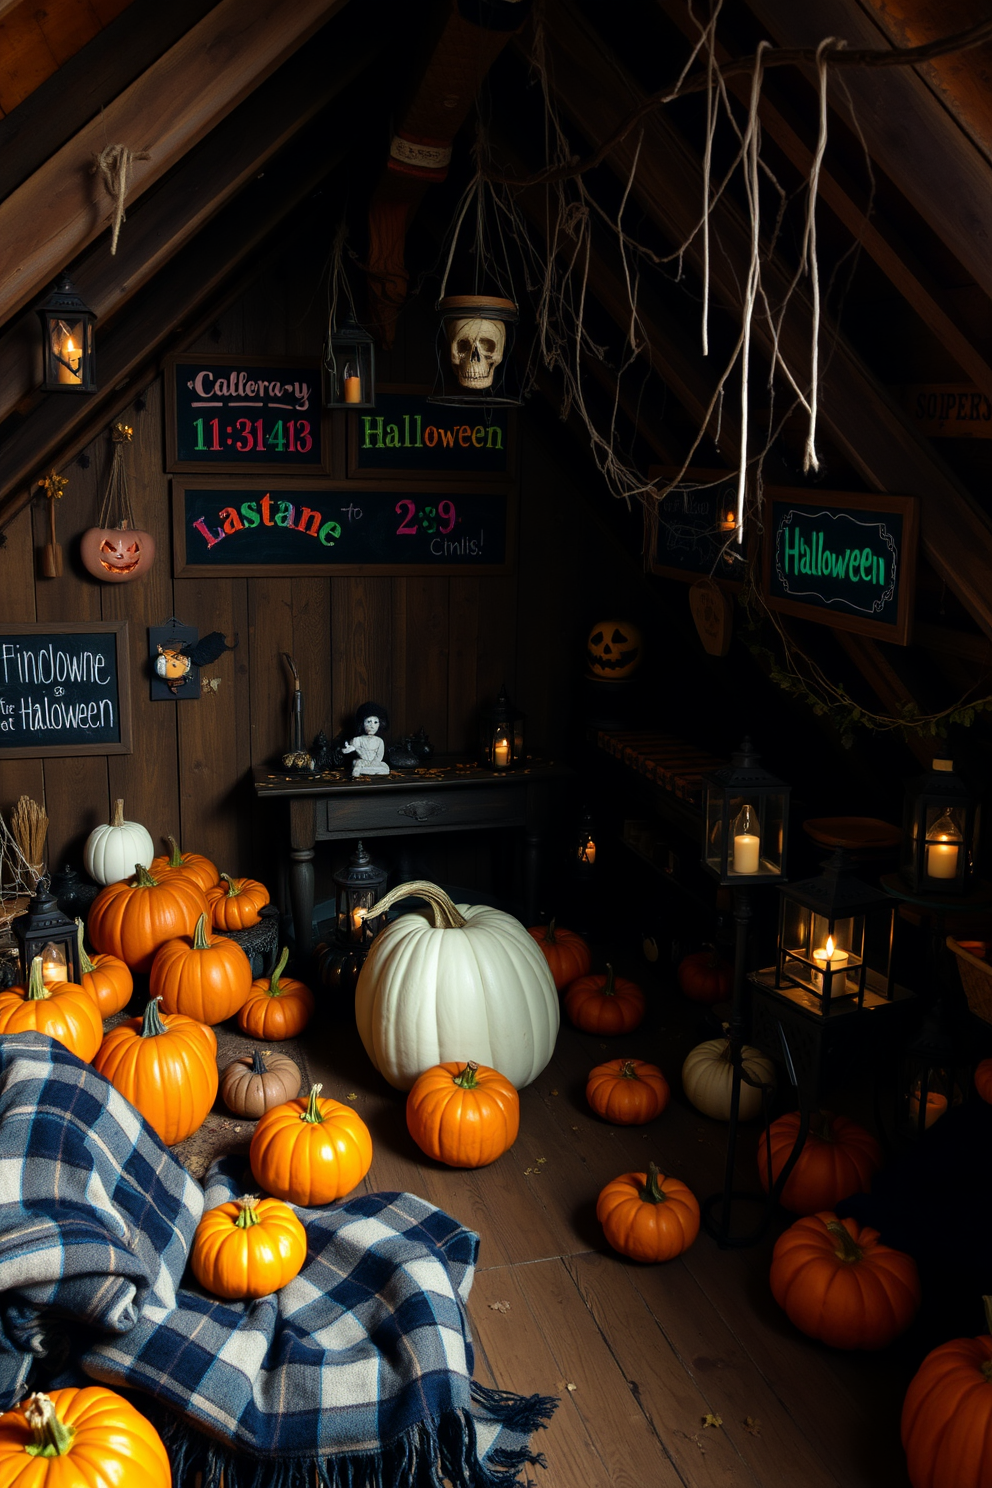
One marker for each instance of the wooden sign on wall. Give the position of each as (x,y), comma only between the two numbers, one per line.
(842,559)
(406,435)
(64,689)
(689,533)
(244,414)
(948,410)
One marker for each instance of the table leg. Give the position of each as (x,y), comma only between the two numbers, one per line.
(303,834)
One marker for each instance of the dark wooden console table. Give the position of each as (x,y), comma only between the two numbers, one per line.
(448,796)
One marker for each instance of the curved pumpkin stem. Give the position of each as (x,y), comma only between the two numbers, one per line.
(847,1247)
(175,855)
(85,964)
(274,987)
(608,988)
(550,937)
(312,1113)
(627,1070)
(51,1437)
(233,885)
(201,942)
(467,1079)
(151,1023)
(248,1214)
(37,991)
(446,914)
(117,820)
(142,878)
(652,1192)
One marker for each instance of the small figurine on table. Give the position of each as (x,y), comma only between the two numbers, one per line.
(367,746)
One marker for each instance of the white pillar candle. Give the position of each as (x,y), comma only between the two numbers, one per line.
(746,846)
(835,959)
(942,859)
(501,753)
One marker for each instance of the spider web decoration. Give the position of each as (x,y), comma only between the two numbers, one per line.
(18,880)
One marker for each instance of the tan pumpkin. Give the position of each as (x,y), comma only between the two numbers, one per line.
(253,1083)
(707,1077)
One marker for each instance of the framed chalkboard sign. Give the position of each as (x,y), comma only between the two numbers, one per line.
(64,689)
(244,414)
(406,437)
(690,532)
(248,528)
(842,559)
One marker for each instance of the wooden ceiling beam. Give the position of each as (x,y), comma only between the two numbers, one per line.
(201,185)
(50,219)
(864,423)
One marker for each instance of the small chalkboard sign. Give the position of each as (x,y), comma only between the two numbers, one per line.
(64,689)
(248,414)
(313,528)
(842,559)
(690,532)
(406,435)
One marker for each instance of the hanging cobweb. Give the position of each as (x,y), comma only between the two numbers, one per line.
(18,880)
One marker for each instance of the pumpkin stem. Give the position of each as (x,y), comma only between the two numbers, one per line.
(312,1111)
(117,820)
(550,937)
(447,915)
(142,878)
(651,1192)
(248,1214)
(175,856)
(627,1070)
(848,1248)
(820,1126)
(37,991)
(151,1023)
(466,1080)
(51,1437)
(233,886)
(258,1065)
(275,990)
(85,964)
(988,1317)
(608,989)
(200,939)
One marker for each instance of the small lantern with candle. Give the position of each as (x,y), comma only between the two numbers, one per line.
(746,815)
(934,1078)
(940,844)
(357,887)
(349,367)
(586,852)
(43,930)
(501,734)
(68,360)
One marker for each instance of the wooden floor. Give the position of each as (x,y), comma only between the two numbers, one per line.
(642,1357)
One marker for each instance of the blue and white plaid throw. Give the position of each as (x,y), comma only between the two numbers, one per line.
(358,1374)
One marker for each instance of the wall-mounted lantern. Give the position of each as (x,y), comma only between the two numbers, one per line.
(68,359)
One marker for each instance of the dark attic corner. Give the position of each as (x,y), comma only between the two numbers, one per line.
(495,685)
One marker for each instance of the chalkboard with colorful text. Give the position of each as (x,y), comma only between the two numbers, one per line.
(64,689)
(244,414)
(406,435)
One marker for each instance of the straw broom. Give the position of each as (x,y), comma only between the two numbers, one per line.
(29,826)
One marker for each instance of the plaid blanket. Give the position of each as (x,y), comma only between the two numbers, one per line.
(358,1374)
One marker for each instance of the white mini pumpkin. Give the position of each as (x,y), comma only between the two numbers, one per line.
(468,983)
(707,1076)
(112,851)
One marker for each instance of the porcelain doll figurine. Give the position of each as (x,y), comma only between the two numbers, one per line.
(367,747)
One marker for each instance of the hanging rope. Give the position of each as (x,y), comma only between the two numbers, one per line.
(113,165)
(116,509)
(809,254)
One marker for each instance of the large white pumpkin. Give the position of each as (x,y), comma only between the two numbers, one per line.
(113,850)
(707,1078)
(466,983)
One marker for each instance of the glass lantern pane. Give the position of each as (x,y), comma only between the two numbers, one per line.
(67,350)
(796,922)
(772,833)
(714,830)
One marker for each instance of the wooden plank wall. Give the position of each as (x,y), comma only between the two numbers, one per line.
(430,649)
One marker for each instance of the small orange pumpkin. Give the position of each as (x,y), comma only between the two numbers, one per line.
(983,1080)
(131,919)
(627,1092)
(463,1114)
(310,1151)
(107,979)
(838,1158)
(947,1414)
(193,865)
(647,1216)
(248,1247)
(566,953)
(64,1011)
(207,977)
(604,1003)
(166,1066)
(278,1007)
(80,1437)
(235,902)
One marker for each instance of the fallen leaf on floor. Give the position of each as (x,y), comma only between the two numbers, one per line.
(575,1128)
(554,1092)
(352,1095)
(566,1385)
(542,1159)
(499,1306)
(753,1425)
(711,1420)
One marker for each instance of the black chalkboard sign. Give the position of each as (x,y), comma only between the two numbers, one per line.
(406,435)
(244,414)
(64,689)
(690,532)
(845,560)
(307,527)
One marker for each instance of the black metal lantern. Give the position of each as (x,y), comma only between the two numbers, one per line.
(835,940)
(43,930)
(68,359)
(585,856)
(475,338)
(349,367)
(934,1077)
(940,844)
(357,888)
(746,815)
(501,734)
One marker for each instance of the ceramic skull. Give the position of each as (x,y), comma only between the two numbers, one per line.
(476,349)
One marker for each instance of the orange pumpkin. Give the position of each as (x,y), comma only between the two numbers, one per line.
(463,1114)
(705,977)
(605,1003)
(235,902)
(310,1151)
(947,1414)
(647,1216)
(64,1011)
(840,1284)
(80,1438)
(207,977)
(131,919)
(107,979)
(193,865)
(627,1092)
(983,1080)
(248,1247)
(278,1007)
(166,1066)
(838,1158)
(566,953)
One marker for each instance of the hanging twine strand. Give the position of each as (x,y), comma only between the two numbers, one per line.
(116,509)
(113,165)
(809,254)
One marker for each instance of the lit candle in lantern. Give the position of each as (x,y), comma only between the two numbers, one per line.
(830,957)
(501,753)
(587,852)
(358,916)
(53,967)
(352,385)
(942,859)
(746,847)
(729,523)
(69,359)
(936,1106)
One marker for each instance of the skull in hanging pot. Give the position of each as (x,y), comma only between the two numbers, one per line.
(475,327)
(117,551)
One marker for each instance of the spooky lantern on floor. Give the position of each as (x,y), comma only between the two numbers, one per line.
(356,888)
(935,1076)
(349,367)
(586,850)
(940,843)
(614,649)
(746,816)
(43,930)
(68,359)
(501,734)
(475,340)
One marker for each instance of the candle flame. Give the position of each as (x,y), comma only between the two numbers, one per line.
(830,946)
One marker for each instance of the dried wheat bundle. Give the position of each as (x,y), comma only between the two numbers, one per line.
(29,825)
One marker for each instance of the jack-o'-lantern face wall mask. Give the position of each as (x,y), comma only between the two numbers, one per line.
(117,554)
(613,649)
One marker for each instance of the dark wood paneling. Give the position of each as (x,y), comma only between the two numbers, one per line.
(361,645)
(20,777)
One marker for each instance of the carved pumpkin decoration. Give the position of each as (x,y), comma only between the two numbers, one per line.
(117,554)
(614,649)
